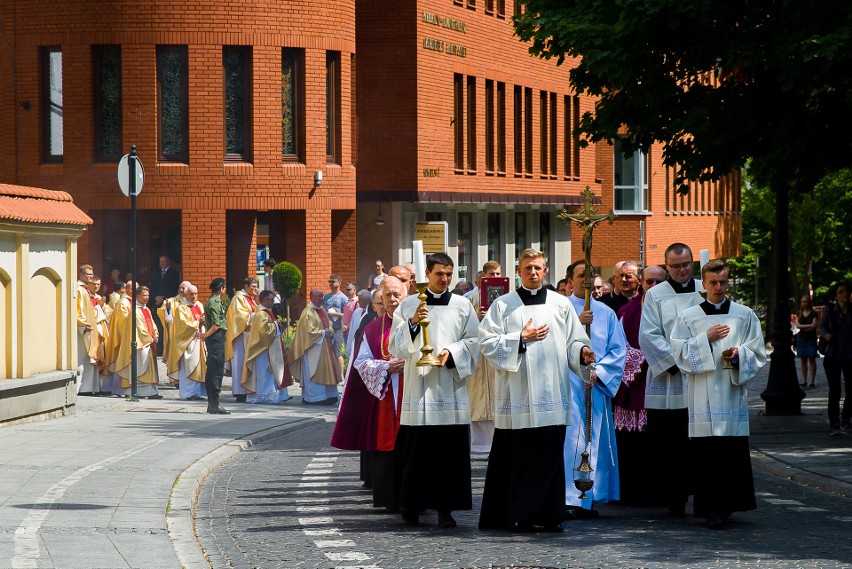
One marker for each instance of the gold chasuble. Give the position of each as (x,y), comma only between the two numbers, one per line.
(146,361)
(121,312)
(87,316)
(264,337)
(323,365)
(239,316)
(184,343)
(480,385)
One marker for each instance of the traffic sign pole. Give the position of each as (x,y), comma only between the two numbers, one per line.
(132,191)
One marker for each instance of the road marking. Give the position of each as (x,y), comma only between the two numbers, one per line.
(808,509)
(317,474)
(842,518)
(27,535)
(782,502)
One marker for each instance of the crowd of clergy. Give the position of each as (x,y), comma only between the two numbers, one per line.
(648,380)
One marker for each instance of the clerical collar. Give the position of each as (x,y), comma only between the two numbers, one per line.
(141,305)
(434,299)
(532,296)
(688,286)
(711,309)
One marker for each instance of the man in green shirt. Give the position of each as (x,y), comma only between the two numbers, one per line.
(214,340)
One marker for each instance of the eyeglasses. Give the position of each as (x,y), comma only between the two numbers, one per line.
(680,266)
(652,281)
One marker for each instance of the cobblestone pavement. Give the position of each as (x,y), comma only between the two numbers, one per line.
(294,502)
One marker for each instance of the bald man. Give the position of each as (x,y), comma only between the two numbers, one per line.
(313,361)
(403,274)
(165,314)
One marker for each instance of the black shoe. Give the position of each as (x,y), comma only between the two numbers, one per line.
(240,398)
(410,517)
(715,521)
(583,514)
(155,396)
(555,528)
(195,398)
(445,520)
(87,394)
(218,411)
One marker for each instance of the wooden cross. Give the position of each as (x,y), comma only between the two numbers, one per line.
(588,218)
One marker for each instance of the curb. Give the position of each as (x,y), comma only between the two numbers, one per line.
(778,467)
(184,495)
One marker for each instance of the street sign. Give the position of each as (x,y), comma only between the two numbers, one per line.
(124,175)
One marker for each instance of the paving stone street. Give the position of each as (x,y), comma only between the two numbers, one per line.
(295,502)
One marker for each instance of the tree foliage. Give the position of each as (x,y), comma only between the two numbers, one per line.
(288,280)
(717,82)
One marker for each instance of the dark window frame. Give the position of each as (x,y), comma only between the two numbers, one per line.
(471,123)
(333,119)
(458,121)
(298,58)
(46,121)
(245,53)
(97,78)
(543,135)
(489,125)
(554,126)
(528,128)
(183,157)
(518,134)
(568,156)
(501,127)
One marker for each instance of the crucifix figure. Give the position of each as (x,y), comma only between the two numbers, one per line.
(588,218)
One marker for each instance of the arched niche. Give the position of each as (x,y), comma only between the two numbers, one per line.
(43,344)
(5,325)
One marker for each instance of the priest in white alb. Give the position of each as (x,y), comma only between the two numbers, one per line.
(147,375)
(165,312)
(610,347)
(433,445)
(240,314)
(719,345)
(120,313)
(186,360)
(532,338)
(312,359)
(87,335)
(266,375)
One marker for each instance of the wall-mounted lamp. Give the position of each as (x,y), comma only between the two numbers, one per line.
(380,220)
(317,178)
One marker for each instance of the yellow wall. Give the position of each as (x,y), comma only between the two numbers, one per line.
(45,314)
(5,325)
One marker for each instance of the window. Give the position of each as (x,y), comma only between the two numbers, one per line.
(489,125)
(575,140)
(292,87)
(568,111)
(236,63)
(471,4)
(501,9)
(458,124)
(518,9)
(106,70)
(553,127)
(471,123)
(489,7)
(528,124)
(631,180)
(465,244)
(494,236)
(51,104)
(544,235)
(332,106)
(544,138)
(173,102)
(501,127)
(519,131)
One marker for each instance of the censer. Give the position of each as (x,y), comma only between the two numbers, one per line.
(583,482)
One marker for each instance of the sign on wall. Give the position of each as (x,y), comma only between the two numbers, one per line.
(433,234)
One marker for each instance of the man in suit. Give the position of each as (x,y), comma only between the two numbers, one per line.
(164,284)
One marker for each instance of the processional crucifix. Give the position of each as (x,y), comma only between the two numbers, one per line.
(588,218)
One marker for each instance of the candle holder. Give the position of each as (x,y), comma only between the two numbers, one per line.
(428,359)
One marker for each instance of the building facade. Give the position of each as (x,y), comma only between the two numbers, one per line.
(457,123)
(236,111)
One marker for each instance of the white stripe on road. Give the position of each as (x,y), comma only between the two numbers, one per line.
(27,535)
(310,479)
(782,502)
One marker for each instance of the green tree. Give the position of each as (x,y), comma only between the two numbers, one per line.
(288,280)
(717,83)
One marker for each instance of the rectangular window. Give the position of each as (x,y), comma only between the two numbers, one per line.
(292,87)
(51,104)
(471,4)
(471,123)
(631,179)
(568,157)
(528,128)
(494,236)
(501,9)
(544,137)
(519,131)
(489,7)
(173,102)
(332,106)
(544,236)
(518,10)
(458,120)
(575,140)
(489,125)
(236,64)
(465,244)
(106,71)
(553,137)
(501,127)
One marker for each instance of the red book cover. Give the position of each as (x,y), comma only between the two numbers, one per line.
(490,288)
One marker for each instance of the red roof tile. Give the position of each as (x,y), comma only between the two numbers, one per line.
(37,205)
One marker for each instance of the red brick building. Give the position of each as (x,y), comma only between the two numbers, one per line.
(457,123)
(234,109)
